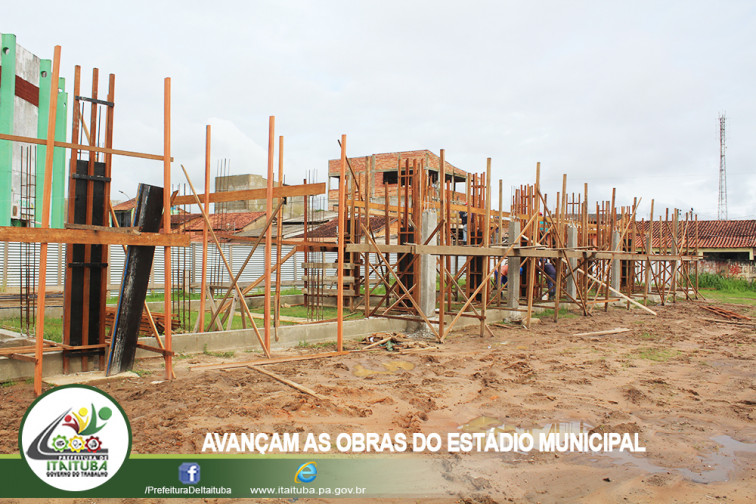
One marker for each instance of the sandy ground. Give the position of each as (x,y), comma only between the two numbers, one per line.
(687,386)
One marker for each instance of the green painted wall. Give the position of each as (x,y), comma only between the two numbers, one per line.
(7,105)
(57,204)
(7,94)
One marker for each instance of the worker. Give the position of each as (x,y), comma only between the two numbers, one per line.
(550,278)
(501,275)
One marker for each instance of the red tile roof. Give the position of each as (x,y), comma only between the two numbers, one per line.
(328,230)
(230,222)
(712,233)
(125,205)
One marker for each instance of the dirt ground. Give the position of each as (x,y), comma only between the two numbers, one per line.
(686,385)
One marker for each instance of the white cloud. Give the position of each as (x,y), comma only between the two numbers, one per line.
(621,95)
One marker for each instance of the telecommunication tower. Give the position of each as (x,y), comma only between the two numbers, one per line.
(722,203)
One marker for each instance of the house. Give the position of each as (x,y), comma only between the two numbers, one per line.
(293,207)
(385,171)
(726,247)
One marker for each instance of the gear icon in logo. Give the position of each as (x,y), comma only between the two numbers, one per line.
(93,444)
(76,444)
(59,443)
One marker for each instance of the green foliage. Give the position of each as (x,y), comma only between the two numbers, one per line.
(724,283)
(323,344)
(656,354)
(563,313)
(222,355)
(53,327)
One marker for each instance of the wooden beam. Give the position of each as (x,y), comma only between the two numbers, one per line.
(167,279)
(258,194)
(268,236)
(76,146)
(290,383)
(340,258)
(203,288)
(42,274)
(91,236)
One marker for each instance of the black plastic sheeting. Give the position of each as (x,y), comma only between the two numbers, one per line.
(136,278)
(96,265)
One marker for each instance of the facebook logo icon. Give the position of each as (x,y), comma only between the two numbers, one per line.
(189,473)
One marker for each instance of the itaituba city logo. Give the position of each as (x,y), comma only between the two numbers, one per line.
(75,437)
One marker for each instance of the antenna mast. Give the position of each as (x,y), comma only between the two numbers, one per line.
(722,203)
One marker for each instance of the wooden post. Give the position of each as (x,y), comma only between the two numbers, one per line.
(534,234)
(279,221)
(268,237)
(368,185)
(203,288)
(442,241)
(340,250)
(168,356)
(42,275)
(486,273)
(561,231)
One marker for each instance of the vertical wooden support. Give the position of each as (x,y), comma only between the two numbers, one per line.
(42,274)
(167,226)
(340,249)
(354,223)
(561,231)
(442,241)
(486,273)
(532,263)
(105,255)
(88,217)
(71,200)
(696,264)
(206,198)
(675,251)
(279,232)
(268,236)
(367,198)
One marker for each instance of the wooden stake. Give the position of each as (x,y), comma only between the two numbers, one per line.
(42,274)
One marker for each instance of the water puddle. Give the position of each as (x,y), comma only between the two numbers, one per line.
(718,465)
(493,424)
(391,367)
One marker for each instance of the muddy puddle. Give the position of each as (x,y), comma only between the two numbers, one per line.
(390,367)
(718,465)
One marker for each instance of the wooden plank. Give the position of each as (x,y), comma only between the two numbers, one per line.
(320,265)
(276,360)
(167,279)
(76,146)
(256,194)
(329,292)
(617,330)
(91,236)
(463,250)
(733,322)
(42,274)
(290,383)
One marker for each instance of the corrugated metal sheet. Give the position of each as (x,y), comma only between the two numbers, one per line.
(10,275)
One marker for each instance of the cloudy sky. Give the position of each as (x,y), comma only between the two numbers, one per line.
(616,94)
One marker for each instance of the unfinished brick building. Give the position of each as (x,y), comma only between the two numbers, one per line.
(386,170)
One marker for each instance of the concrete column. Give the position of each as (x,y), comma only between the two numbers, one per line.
(616,273)
(571,286)
(427,280)
(513,286)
